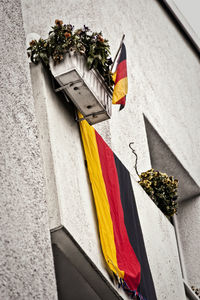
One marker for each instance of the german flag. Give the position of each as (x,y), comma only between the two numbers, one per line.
(119,227)
(120,79)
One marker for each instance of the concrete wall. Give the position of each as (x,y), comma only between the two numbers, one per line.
(26,263)
(188,222)
(71,203)
(164,85)
(163,77)
(163,72)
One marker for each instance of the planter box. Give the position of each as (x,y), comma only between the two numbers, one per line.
(84,87)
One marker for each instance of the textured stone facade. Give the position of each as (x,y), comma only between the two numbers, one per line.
(26,262)
(42,162)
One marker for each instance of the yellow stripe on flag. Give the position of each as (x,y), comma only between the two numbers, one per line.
(120,90)
(114,76)
(100,196)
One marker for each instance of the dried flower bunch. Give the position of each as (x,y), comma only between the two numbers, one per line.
(63,38)
(162,189)
(196,290)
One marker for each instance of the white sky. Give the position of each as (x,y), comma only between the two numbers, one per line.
(190,9)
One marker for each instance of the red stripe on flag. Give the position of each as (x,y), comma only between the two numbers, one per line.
(122,101)
(126,258)
(121,71)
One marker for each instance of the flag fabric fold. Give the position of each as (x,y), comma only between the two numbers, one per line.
(119,227)
(120,79)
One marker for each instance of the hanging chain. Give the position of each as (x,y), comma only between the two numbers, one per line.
(136,157)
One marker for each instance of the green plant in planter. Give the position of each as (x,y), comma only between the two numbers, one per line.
(63,38)
(162,189)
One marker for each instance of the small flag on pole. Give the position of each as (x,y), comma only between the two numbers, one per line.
(121,80)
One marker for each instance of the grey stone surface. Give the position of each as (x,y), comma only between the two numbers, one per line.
(164,86)
(164,160)
(26,264)
(163,73)
(160,242)
(70,200)
(188,223)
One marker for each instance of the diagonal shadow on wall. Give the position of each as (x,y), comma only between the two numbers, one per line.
(164,160)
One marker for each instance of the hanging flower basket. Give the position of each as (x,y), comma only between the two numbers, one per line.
(162,189)
(80,63)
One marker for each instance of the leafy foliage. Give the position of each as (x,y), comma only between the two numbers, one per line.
(63,38)
(196,291)
(162,189)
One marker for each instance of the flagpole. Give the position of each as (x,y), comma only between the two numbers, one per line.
(118,51)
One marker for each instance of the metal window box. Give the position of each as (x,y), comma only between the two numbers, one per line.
(84,87)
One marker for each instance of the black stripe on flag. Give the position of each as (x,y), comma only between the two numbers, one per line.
(134,231)
(122,54)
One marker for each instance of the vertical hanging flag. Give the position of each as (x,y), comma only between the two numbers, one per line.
(119,226)
(121,80)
